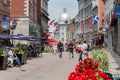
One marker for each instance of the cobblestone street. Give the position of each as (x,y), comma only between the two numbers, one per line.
(47,67)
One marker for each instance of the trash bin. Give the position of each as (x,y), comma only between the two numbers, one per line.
(3,62)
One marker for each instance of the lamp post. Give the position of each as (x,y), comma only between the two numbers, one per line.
(13,26)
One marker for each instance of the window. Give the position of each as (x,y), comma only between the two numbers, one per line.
(62,39)
(63,34)
(62,28)
(5,2)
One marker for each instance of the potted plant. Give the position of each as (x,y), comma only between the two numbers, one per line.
(88,70)
(20,53)
(3,59)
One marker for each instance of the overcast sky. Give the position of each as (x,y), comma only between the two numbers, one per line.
(55,8)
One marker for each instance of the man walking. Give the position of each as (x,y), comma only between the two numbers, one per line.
(60,48)
(71,48)
(84,47)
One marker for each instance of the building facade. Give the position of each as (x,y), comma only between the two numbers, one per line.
(19,12)
(83,19)
(44,14)
(27,14)
(110,38)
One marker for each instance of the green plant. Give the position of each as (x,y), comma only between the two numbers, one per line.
(3,53)
(100,56)
(48,50)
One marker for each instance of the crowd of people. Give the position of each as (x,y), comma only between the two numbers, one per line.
(81,48)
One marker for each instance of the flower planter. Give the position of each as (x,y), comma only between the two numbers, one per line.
(88,70)
(21,58)
(3,62)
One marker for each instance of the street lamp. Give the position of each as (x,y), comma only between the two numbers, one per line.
(13,26)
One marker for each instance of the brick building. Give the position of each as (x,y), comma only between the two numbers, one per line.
(27,14)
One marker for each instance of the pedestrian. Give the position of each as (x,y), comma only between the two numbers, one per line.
(80,51)
(60,48)
(71,48)
(55,49)
(84,47)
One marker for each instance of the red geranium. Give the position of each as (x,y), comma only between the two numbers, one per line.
(87,70)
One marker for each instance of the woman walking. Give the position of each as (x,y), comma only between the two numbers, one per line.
(80,51)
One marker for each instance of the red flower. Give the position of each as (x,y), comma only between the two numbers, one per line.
(87,71)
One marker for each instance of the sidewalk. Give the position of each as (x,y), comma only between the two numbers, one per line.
(114,60)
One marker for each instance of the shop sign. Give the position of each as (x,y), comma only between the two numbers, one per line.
(117,12)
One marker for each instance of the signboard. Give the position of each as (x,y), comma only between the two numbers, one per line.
(117,12)
(5,25)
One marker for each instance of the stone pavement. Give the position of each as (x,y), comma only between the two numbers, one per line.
(114,60)
(47,67)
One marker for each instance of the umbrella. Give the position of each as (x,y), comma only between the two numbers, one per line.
(53,40)
(51,45)
(6,36)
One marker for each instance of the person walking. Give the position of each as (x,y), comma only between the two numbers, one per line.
(60,48)
(55,49)
(84,47)
(71,48)
(80,51)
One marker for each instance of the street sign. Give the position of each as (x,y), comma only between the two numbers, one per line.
(117,12)
(5,25)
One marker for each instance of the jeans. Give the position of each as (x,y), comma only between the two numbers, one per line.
(17,60)
(80,56)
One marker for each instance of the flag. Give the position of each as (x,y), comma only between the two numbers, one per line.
(51,27)
(56,26)
(95,19)
(51,23)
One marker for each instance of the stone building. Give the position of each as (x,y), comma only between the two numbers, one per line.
(27,14)
(84,27)
(64,26)
(110,24)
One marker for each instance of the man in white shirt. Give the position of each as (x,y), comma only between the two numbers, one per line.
(84,47)
(12,57)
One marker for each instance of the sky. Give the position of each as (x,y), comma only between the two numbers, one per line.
(55,8)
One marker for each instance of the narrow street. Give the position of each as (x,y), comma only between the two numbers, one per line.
(47,67)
